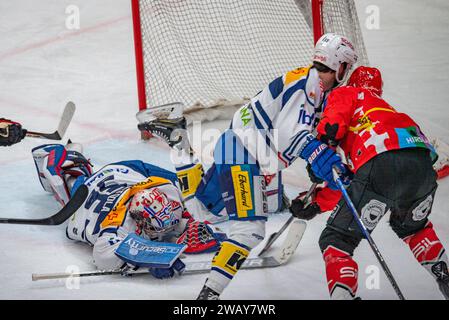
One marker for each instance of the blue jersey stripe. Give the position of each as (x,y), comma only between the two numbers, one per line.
(300,85)
(264,115)
(276,87)
(288,152)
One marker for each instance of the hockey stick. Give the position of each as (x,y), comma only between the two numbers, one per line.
(273,237)
(280,257)
(366,234)
(67,116)
(69,209)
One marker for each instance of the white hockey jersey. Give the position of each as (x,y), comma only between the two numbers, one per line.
(276,123)
(103,220)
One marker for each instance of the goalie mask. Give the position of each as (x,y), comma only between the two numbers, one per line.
(153,212)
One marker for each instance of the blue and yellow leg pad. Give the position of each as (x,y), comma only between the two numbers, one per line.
(228,260)
(242,186)
(189,178)
(244,193)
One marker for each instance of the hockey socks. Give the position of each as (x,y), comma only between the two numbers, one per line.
(426,247)
(341,272)
(225,265)
(430,253)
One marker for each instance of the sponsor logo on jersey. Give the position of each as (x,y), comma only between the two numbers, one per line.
(242,189)
(245,115)
(103,173)
(304,118)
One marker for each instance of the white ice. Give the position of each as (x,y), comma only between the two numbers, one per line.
(43,65)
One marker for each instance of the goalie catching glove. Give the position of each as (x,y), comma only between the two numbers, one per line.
(201,237)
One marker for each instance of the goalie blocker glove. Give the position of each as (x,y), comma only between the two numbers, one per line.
(10,132)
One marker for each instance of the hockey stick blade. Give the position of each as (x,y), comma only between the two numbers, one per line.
(273,237)
(281,257)
(69,209)
(64,123)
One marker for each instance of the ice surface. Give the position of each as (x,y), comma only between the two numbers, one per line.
(43,65)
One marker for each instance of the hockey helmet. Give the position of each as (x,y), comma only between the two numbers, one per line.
(153,212)
(368,78)
(332,50)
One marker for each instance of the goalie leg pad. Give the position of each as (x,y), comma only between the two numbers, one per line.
(242,186)
(208,191)
(225,264)
(48,160)
(189,178)
(58,169)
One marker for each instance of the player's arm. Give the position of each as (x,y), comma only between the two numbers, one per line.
(323,200)
(10,132)
(337,115)
(105,247)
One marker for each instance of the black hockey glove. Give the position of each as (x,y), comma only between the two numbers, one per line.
(10,132)
(300,211)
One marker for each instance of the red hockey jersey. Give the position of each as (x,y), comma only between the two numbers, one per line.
(365,125)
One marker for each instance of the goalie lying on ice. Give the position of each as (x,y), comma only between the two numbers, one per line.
(125,199)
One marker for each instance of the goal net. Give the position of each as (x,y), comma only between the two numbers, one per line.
(213,55)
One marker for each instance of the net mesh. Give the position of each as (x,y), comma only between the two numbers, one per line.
(217,54)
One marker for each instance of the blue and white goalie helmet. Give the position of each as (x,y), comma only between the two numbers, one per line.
(153,212)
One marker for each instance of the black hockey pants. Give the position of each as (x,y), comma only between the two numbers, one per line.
(401,182)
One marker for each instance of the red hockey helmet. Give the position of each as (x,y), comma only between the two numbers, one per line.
(368,78)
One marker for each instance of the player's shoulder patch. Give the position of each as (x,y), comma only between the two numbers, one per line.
(296,74)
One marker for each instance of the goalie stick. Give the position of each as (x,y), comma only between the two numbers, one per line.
(280,257)
(67,116)
(62,215)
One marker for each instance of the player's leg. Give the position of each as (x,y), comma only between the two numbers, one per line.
(244,195)
(342,233)
(410,221)
(61,169)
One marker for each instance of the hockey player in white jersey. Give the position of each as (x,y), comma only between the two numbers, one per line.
(267,135)
(128,197)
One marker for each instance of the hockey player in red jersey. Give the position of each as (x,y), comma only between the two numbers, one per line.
(392,162)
